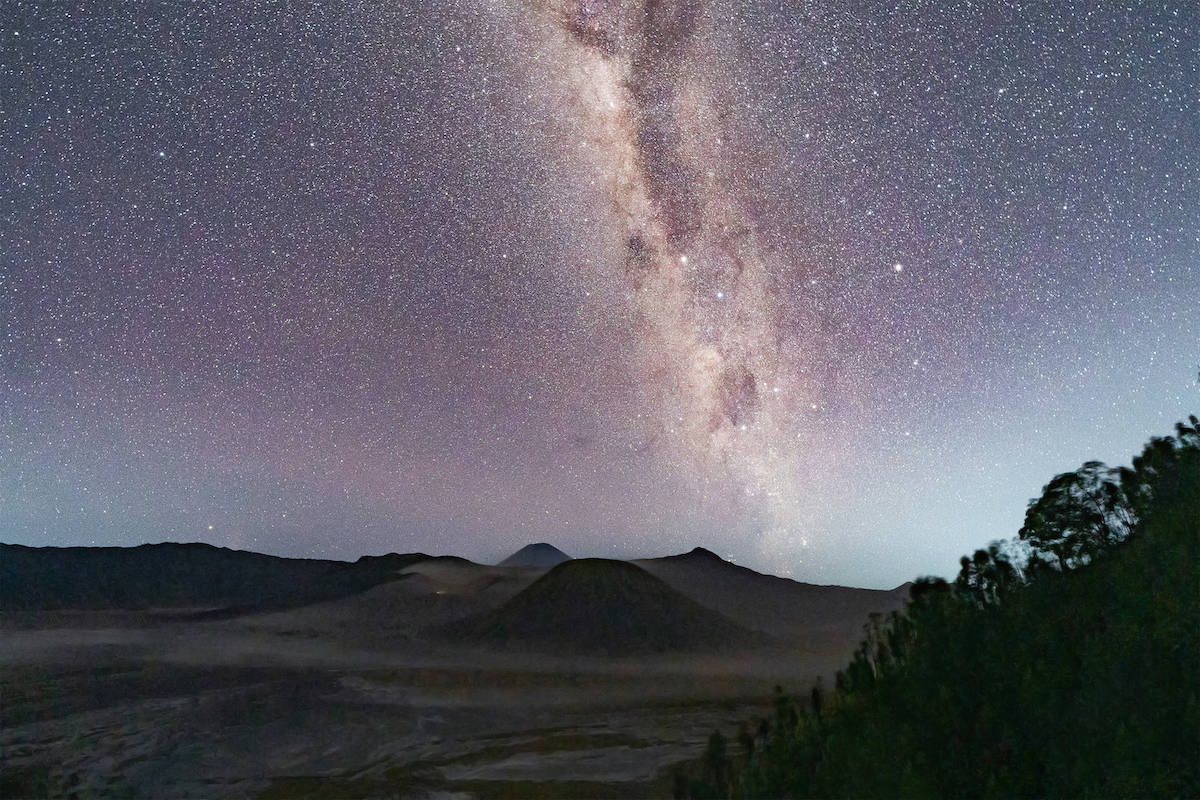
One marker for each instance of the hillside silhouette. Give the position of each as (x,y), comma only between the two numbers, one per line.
(1061,663)
(603,607)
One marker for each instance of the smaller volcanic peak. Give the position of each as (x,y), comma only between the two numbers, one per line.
(540,554)
(699,557)
(701,554)
(777,606)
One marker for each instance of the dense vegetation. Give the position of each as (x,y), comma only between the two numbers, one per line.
(1062,663)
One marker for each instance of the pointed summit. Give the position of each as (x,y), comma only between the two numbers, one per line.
(599,606)
(536,555)
(697,555)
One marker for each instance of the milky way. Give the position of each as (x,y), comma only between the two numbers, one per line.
(831,288)
(708,329)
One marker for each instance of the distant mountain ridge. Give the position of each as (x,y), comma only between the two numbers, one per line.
(172,575)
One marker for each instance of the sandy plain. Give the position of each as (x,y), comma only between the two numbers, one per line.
(220,709)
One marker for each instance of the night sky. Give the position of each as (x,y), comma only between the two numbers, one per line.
(830,288)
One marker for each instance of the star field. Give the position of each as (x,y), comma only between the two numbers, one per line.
(831,288)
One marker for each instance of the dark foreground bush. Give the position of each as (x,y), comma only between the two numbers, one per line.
(1062,663)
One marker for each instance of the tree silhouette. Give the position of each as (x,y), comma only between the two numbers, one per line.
(1079,515)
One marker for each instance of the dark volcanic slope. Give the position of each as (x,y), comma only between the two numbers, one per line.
(536,555)
(778,606)
(178,576)
(598,606)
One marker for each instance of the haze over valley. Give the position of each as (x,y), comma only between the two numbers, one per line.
(179,670)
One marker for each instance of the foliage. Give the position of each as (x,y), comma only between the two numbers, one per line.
(1062,663)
